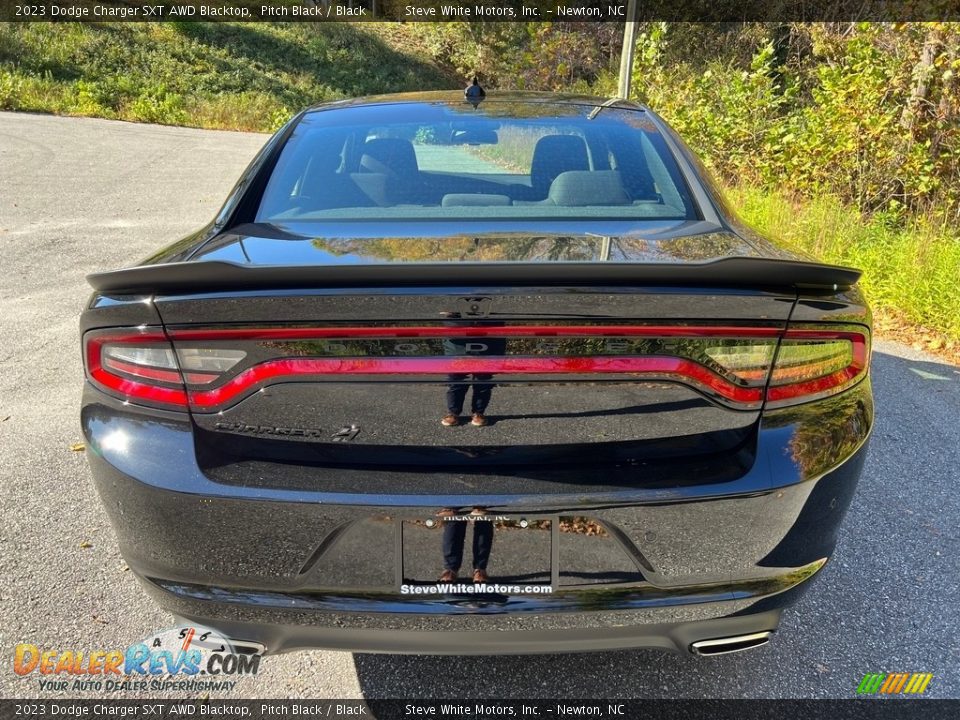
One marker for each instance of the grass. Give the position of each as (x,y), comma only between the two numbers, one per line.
(514,149)
(215,75)
(911,274)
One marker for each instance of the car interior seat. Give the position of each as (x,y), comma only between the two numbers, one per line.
(388,172)
(552,155)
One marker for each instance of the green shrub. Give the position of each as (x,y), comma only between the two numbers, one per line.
(11,89)
(157,105)
(871,115)
(911,269)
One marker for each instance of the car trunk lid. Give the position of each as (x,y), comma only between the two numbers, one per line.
(577,366)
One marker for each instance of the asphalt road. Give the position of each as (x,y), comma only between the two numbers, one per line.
(79,195)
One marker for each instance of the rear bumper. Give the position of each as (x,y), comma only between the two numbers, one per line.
(296,568)
(621,632)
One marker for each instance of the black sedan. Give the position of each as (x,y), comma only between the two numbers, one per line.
(498,375)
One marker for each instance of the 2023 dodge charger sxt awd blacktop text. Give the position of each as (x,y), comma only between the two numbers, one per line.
(529,323)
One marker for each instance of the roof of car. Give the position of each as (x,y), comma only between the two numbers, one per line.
(447,96)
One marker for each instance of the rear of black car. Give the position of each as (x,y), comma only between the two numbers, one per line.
(674,413)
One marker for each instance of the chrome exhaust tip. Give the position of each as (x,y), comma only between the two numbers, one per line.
(732,644)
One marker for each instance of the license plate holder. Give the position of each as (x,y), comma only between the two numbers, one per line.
(515,550)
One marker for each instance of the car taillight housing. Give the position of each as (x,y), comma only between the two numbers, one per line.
(140,366)
(814,362)
(744,367)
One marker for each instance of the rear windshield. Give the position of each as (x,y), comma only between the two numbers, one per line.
(498,161)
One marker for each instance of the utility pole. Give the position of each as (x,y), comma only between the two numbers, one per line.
(626,52)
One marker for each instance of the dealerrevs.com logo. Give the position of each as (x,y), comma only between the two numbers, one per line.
(190,658)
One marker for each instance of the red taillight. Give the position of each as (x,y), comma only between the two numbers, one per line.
(140,365)
(208,371)
(639,368)
(816,362)
(729,363)
(136,365)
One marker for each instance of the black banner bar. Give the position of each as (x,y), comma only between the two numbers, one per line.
(477,10)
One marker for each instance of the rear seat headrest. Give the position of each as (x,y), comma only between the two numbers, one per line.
(578,188)
(389,155)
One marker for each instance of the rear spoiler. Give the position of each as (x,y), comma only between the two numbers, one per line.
(217,275)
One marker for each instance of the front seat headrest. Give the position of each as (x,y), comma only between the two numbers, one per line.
(389,155)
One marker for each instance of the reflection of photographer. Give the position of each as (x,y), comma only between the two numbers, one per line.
(454,538)
(461,383)
(474,93)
